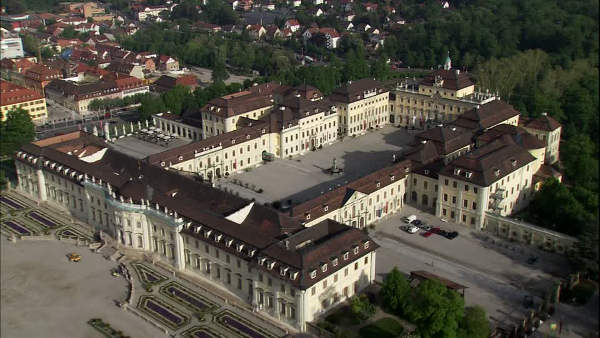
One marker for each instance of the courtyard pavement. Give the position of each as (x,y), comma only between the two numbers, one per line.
(304,177)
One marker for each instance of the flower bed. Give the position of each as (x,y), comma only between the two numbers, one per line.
(147,275)
(200,332)
(106,329)
(72,233)
(17,228)
(163,312)
(241,326)
(43,220)
(10,203)
(187,297)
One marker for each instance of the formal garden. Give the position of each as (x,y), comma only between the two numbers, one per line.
(396,309)
(195,314)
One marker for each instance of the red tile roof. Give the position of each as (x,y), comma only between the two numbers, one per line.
(11,93)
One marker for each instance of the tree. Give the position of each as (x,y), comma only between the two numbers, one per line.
(395,291)
(17,130)
(219,71)
(474,324)
(435,309)
(361,307)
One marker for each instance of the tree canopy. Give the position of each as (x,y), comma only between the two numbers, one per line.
(16,131)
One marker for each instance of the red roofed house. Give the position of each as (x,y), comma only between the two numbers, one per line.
(256,31)
(13,96)
(166,62)
(292,24)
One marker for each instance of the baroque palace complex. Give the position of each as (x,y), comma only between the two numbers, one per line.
(475,157)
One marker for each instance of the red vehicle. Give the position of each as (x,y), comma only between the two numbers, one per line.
(431,232)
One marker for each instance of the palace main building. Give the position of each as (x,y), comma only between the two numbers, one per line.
(292,265)
(288,271)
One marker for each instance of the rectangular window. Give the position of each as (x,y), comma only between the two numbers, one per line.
(465,203)
(466,187)
(444,212)
(464,218)
(453,199)
(475,189)
(474,205)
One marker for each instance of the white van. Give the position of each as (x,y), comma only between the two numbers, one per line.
(410,218)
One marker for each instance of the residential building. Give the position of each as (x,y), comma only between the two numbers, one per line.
(166,63)
(126,69)
(292,24)
(166,82)
(270,261)
(361,105)
(13,96)
(256,31)
(77,96)
(11,45)
(39,76)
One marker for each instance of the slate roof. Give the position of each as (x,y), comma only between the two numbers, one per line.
(518,135)
(336,199)
(542,122)
(236,103)
(451,79)
(496,157)
(355,90)
(447,139)
(486,116)
(273,235)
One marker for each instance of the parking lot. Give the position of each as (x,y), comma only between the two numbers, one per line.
(304,178)
(496,272)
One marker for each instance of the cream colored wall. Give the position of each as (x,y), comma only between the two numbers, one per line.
(180,129)
(219,161)
(361,209)
(539,155)
(313,130)
(358,116)
(36,108)
(216,125)
(422,105)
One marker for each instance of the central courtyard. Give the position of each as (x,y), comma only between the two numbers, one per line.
(304,177)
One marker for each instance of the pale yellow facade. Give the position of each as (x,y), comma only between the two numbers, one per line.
(362,209)
(36,109)
(552,141)
(310,132)
(371,112)
(214,124)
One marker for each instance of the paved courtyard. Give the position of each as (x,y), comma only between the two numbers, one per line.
(496,274)
(304,177)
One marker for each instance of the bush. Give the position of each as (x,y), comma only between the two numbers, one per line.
(382,328)
(361,307)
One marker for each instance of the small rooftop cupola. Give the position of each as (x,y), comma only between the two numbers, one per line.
(448,62)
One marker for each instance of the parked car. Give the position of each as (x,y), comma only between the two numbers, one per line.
(431,232)
(417,223)
(452,235)
(425,227)
(412,229)
(410,218)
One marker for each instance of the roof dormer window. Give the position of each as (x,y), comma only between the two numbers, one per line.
(326,208)
(334,261)
(355,250)
(313,274)
(456,171)
(392,178)
(513,162)
(307,216)
(468,174)
(378,184)
(366,245)
(346,255)
(497,172)
(324,267)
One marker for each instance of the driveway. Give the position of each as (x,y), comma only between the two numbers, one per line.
(497,275)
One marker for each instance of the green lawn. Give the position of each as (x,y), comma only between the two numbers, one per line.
(382,328)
